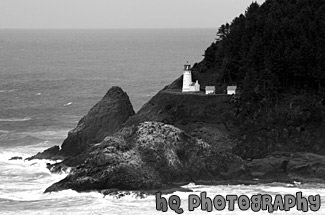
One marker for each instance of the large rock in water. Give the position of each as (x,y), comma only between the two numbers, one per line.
(105,118)
(151,155)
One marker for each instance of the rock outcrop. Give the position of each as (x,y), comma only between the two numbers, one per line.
(103,119)
(151,155)
(50,153)
(16,158)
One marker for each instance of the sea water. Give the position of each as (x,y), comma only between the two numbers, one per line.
(49,79)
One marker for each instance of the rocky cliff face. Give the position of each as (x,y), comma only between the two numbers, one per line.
(105,118)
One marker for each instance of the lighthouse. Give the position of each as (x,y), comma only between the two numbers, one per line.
(188,85)
(187,78)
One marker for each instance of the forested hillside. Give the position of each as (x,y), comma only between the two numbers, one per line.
(275,54)
(276,47)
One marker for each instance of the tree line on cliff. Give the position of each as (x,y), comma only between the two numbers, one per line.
(275,47)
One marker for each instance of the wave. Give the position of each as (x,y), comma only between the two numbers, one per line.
(7,91)
(68,104)
(16,119)
(4,132)
(24,181)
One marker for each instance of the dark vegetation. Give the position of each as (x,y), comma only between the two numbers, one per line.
(278,46)
(275,54)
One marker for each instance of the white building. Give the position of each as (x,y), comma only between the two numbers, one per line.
(231,90)
(210,90)
(188,85)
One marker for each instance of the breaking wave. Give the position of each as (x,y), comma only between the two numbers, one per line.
(68,104)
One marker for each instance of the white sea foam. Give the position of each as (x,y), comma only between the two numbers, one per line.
(5,91)
(68,104)
(4,131)
(25,180)
(15,119)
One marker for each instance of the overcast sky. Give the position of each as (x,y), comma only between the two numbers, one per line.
(119,13)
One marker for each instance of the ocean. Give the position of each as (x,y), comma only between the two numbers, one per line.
(49,79)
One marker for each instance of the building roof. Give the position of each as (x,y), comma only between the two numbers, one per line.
(231,87)
(210,88)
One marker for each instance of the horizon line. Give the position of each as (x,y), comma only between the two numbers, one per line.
(104,28)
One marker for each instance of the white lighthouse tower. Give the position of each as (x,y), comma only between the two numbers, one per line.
(187,78)
(188,85)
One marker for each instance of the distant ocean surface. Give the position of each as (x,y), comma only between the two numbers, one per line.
(49,79)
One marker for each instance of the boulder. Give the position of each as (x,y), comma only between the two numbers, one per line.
(16,158)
